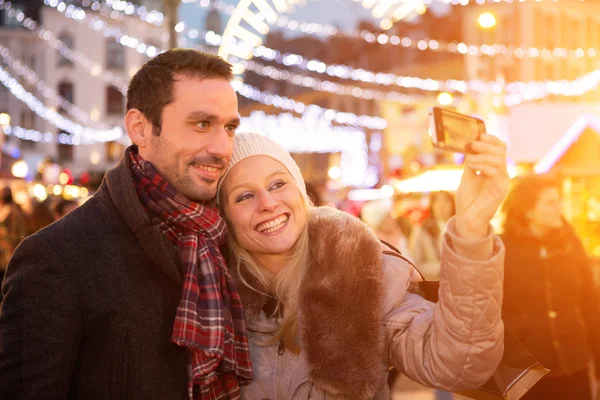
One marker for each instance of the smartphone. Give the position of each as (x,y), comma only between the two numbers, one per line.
(453,131)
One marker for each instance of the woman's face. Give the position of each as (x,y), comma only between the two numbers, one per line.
(263,206)
(442,207)
(547,212)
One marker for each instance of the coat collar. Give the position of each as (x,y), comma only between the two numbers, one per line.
(121,188)
(340,306)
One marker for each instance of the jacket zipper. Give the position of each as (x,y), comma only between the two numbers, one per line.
(280,369)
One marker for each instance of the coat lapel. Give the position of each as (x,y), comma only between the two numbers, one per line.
(120,186)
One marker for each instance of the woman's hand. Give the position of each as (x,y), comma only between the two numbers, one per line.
(483,186)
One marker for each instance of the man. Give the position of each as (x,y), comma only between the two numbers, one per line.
(127,296)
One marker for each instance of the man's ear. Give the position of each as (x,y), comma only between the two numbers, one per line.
(138,128)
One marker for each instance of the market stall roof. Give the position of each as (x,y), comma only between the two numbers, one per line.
(535,128)
(578,149)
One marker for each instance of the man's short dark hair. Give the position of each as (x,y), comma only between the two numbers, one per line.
(151,88)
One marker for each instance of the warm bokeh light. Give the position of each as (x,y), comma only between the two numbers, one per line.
(39,192)
(387,191)
(335,172)
(445,98)
(57,190)
(95,158)
(4,119)
(63,178)
(386,24)
(487,20)
(20,169)
(95,114)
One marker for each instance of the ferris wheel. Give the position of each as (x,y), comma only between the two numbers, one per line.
(252,20)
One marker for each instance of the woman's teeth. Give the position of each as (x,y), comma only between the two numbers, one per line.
(274,225)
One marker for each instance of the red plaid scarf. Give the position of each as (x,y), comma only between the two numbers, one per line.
(210,319)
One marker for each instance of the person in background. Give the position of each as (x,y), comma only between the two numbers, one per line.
(63,207)
(314,195)
(41,216)
(13,228)
(426,240)
(378,216)
(551,301)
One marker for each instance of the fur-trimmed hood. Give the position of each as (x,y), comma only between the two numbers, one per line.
(340,306)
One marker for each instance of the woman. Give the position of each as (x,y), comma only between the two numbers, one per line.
(426,241)
(327,314)
(546,264)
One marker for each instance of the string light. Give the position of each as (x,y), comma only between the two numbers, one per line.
(19,67)
(76,57)
(311,134)
(28,134)
(97,24)
(247,91)
(80,134)
(328,86)
(516,91)
(284,103)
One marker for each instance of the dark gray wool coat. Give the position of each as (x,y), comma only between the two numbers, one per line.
(89,305)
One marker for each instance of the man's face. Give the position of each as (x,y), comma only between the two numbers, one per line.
(196,140)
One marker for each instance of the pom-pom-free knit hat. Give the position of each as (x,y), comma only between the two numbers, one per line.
(253,144)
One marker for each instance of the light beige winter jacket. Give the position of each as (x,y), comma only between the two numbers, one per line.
(357,318)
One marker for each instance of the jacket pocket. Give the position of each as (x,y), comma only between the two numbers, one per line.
(122,368)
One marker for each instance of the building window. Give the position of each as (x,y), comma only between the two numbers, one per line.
(114,101)
(67,39)
(66,90)
(115,55)
(114,151)
(65,151)
(27,119)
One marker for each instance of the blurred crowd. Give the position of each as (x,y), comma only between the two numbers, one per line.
(18,222)
(551,290)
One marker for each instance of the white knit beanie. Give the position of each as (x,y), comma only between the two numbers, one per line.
(253,144)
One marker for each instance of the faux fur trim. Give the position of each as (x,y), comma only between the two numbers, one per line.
(340,306)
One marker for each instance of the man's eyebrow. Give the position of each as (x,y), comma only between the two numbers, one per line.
(201,115)
(204,116)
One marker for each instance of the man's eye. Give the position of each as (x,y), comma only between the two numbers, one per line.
(202,125)
(231,128)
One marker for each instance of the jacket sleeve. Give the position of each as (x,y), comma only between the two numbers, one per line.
(40,325)
(458,342)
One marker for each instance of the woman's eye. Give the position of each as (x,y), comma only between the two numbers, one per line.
(243,197)
(278,185)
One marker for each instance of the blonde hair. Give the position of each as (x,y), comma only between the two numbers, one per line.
(285,286)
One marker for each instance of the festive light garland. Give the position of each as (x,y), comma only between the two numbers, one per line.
(514,90)
(393,40)
(315,111)
(97,24)
(28,134)
(246,91)
(81,134)
(76,57)
(19,67)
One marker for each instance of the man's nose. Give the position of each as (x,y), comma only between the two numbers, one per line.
(222,144)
